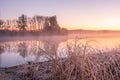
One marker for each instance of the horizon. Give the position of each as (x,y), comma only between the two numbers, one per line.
(87,14)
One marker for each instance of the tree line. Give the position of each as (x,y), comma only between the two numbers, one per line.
(41,24)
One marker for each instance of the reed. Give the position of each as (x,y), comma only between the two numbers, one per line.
(83,62)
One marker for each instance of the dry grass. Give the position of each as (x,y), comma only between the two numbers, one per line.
(82,63)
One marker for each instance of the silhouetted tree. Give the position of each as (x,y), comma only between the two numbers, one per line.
(7,26)
(51,25)
(39,22)
(22,22)
(47,26)
(53,21)
(1,23)
(54,24)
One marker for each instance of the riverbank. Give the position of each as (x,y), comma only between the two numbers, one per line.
(102,66)
(31,71)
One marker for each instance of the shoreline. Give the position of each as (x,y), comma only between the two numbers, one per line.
(45,70)
(49,70)
(54,37)
(18,72)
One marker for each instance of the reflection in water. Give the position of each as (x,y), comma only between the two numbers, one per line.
(1,51)
(19,52)
(32,50)
(22,49)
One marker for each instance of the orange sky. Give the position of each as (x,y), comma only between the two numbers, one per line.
(71,14)
(99,22)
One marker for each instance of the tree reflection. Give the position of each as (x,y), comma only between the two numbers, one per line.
(51,47)
(47,50)
(22,49)
(39,50)
(1,51)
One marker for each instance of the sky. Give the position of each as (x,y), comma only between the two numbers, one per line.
(71,14)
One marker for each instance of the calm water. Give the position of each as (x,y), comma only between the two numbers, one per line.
(16,52)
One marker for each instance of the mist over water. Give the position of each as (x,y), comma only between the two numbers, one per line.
(20,50)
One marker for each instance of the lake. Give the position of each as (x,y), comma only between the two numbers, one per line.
(19,51)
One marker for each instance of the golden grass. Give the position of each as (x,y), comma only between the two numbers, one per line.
(82,63)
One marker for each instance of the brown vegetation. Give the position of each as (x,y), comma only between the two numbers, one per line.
(82,63)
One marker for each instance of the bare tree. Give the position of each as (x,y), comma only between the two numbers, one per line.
(47,26)
(1,23)
(22,22)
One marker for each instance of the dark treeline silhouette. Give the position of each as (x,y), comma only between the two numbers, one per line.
(37,25)
(22,23)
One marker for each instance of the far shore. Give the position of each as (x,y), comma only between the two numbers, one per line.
(62,37)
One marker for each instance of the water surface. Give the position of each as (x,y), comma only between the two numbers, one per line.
(16,52)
